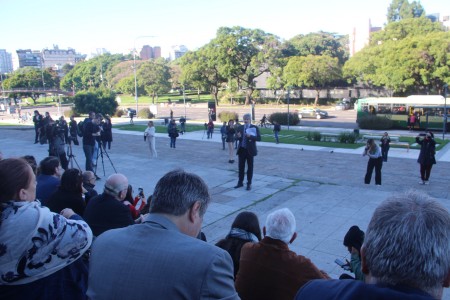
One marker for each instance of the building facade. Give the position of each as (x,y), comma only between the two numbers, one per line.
(29,58)
(6,65)
(148,52)
(56,58)
(177,51)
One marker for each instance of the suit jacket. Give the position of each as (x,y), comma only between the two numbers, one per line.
(350,289)
(154,260)
(269,270)
(251,141)
(104,212)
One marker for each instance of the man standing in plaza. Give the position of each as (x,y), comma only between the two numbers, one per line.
(162,258)
(248,135)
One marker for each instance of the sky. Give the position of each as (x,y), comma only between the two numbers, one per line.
(119,26)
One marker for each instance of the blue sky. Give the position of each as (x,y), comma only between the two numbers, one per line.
(116,25)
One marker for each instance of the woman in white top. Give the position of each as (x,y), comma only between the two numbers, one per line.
(149,136)
(375,161)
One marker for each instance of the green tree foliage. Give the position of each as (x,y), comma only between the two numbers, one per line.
(202,69)
(91,73)
(402,9)
(154,77)
(412,63)
(98,100)
(120,71)
(31,78)
(320,43)
(317,72)
(245,54)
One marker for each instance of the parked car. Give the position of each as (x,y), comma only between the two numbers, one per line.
(312,113)
(343,105)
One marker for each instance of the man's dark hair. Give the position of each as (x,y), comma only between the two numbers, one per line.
(47,165)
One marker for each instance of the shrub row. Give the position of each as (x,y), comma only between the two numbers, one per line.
(375,123)
(226,116)
(282,118)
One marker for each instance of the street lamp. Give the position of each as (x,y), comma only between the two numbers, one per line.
(134,67)
(444,129)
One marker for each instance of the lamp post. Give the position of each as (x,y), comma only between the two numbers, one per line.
(184,100)
(444,129)
(134,67)
(288,100)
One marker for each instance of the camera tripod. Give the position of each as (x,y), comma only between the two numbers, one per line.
(72,156)
(204,130)
(101,150)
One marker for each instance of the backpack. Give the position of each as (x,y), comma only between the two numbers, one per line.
(80,126)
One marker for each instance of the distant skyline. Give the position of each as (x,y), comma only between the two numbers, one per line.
(118,25)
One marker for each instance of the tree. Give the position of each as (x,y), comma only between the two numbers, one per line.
(31,78)
(402,9)
(408,56)
(245,54)
(312,71)
(98,100)
(92,73)
(320,43)
(154,76)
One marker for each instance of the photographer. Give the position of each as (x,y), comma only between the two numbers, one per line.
(91,131)
(427,155)
(55,132)
(73,131)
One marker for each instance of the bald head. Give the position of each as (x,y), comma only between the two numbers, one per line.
(116,185)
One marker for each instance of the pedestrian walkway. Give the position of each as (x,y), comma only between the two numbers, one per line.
(324,189)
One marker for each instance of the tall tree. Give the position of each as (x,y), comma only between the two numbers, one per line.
(245,54)
(321,43)
(312,71)
(402,9)
(154,77)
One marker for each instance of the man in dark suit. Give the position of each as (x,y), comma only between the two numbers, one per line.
(106,211)
(162,258)
(247,134)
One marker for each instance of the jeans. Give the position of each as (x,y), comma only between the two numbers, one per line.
(172,142)
(88,152)
(276,136)
(376,163)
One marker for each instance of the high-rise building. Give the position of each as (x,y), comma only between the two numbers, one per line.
(149,52)
(6,65)
(56,58)
(29,58)
(178,51)
(360,36)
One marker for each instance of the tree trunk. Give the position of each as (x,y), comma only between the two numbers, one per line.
(248,95)
(316,100)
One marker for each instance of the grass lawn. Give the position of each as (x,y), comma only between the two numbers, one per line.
(158,128)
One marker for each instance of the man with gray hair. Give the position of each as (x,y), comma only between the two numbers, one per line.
(248,135)
(405,255)
(106,211)
(161,258)
(268,269)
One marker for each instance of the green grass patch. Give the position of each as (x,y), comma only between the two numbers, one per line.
(412,140)
(158,128)
(174,98)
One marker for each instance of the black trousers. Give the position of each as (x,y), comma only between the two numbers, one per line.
(376,163)
(425,171)
(245,157)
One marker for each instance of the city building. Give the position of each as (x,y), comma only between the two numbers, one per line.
(360,36)
(6,65)
(149,52)
(29,58)
(56,58)
(177,52)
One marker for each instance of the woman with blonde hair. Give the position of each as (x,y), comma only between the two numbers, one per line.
(375,161)
(149,136)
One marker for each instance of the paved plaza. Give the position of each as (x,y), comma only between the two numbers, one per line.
(322,186)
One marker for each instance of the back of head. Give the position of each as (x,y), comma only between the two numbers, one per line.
(14,176)
(71,181)
(280,225)
(115,184)
(48,165)
(408,243)
(177,191)
(247,221)
(31,161)
(87,175)
(354,238)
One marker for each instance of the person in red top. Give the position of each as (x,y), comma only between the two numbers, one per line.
(268,269)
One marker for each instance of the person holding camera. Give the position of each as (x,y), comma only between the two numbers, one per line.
(375,161)
(427,155)
(173,133)
(149,136)
(55,132)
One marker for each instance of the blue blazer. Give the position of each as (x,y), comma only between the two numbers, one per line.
(251,141)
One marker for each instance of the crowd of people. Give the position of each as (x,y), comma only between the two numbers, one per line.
(61,247)
(57,232)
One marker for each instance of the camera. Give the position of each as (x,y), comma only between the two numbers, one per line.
(343,265)
(141,192)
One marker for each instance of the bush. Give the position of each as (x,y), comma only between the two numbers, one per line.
(145,113)
(226,116)
(282,118)
(99,100)
(347,138)
(314,136)
(375,123)
(119,113)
